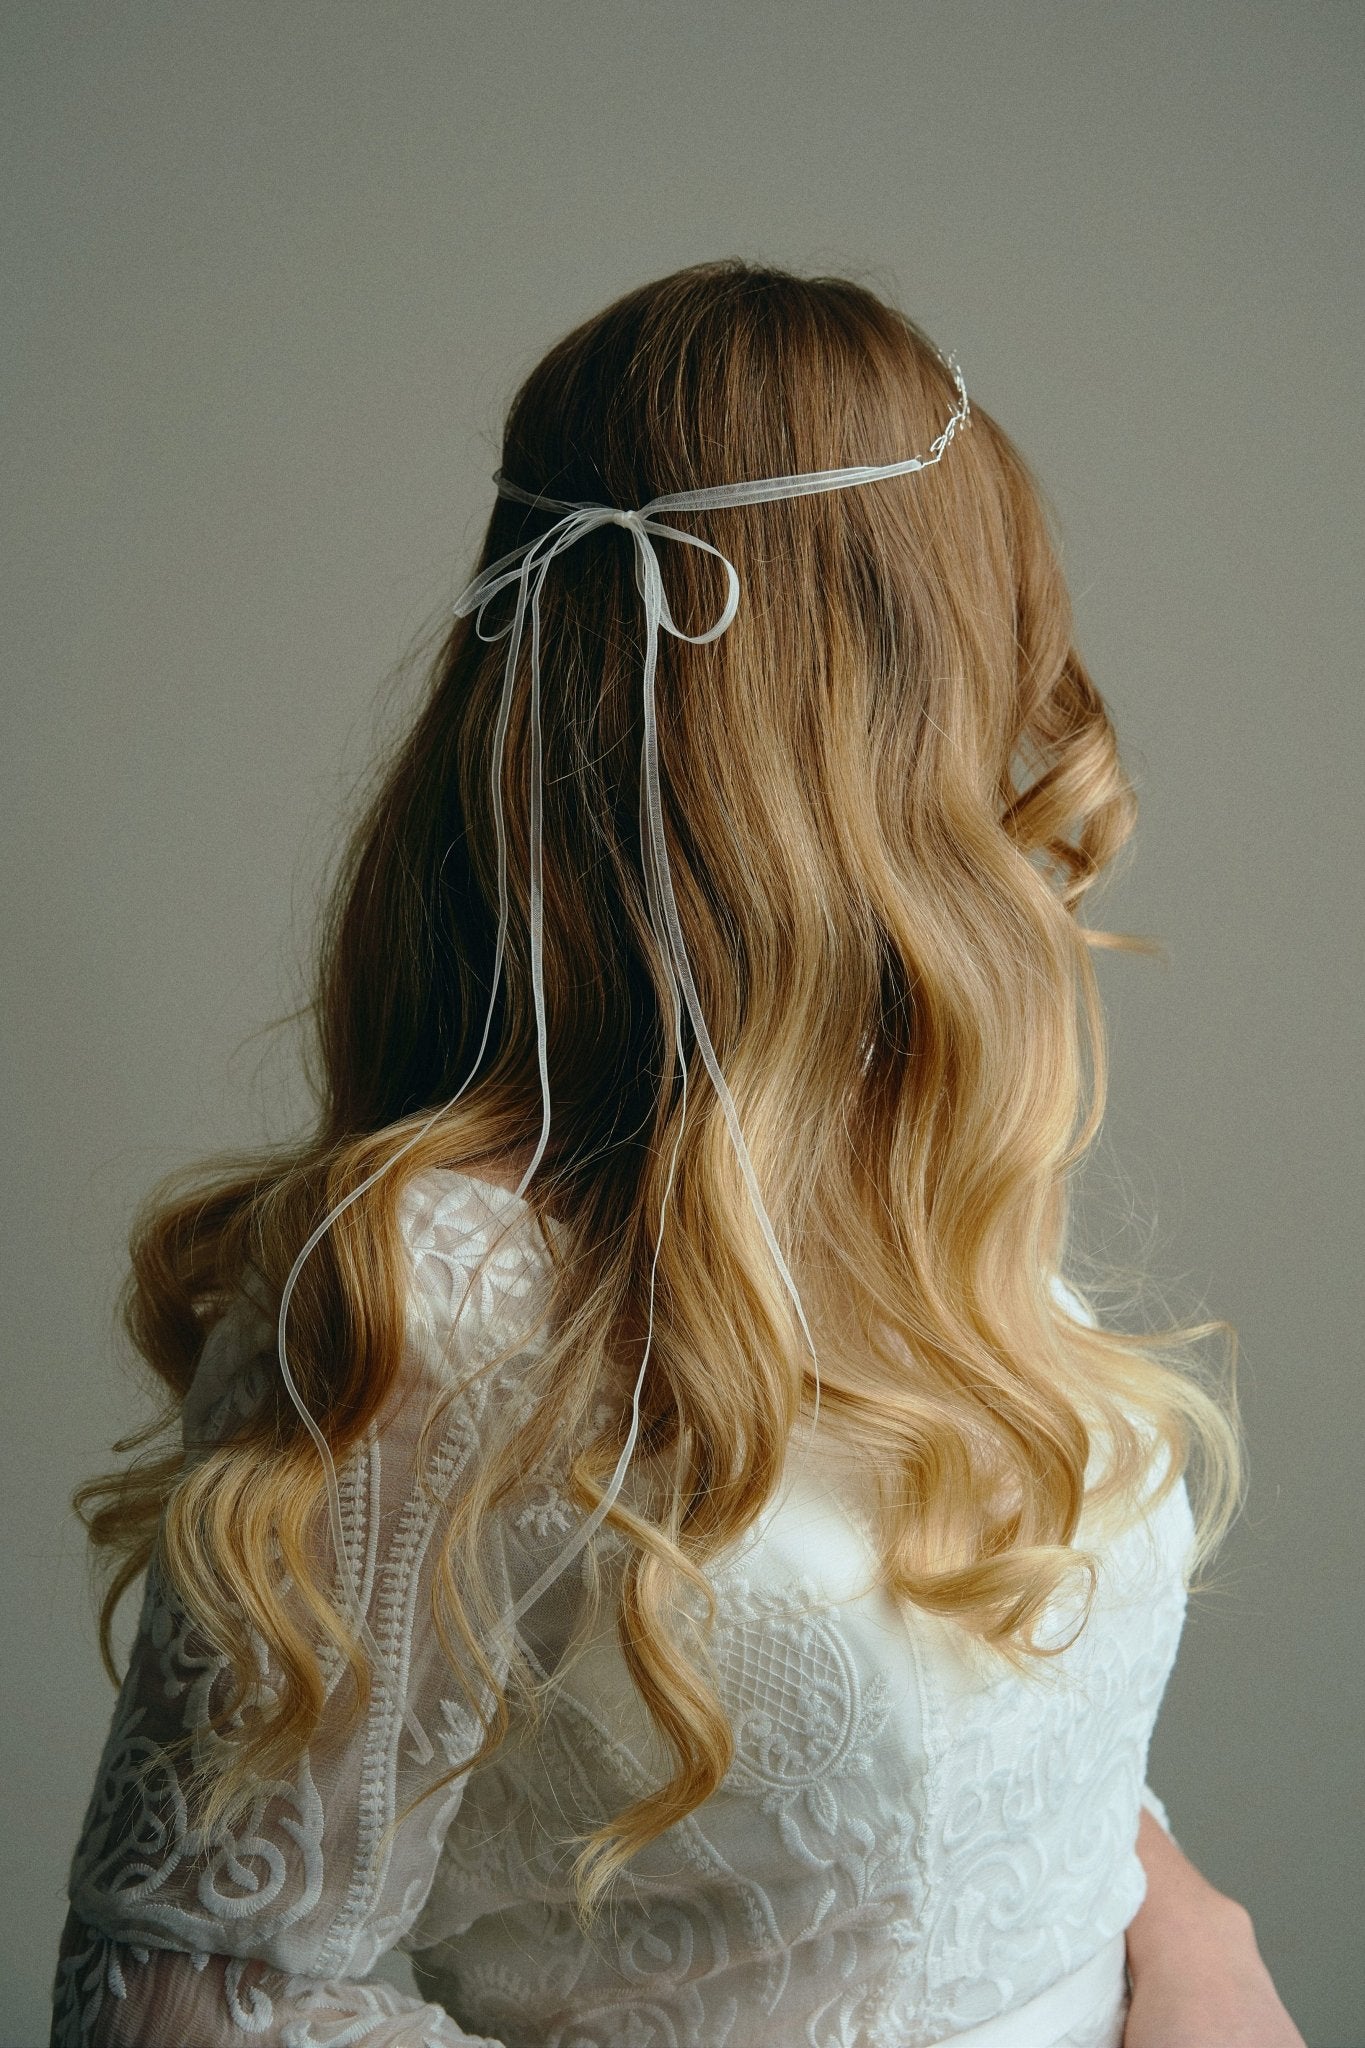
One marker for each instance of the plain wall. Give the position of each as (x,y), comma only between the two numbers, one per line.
(273,272)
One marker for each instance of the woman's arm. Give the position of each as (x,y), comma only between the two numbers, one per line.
(179,1939)
(1198,1980)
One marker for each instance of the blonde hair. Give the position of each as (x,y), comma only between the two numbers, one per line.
(888,789)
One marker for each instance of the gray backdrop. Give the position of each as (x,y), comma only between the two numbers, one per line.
(273,273)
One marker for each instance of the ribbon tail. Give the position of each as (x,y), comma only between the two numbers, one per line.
(653,851)
(423,1751)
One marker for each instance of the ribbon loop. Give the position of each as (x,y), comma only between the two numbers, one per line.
(536,555)
(666,620)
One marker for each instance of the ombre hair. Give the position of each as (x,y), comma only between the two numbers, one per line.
(888,790)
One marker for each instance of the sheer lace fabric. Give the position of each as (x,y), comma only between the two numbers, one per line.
(909,1845)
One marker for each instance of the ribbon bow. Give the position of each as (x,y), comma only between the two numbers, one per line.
(526,567)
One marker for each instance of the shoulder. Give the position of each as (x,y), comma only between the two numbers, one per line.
(477,1304)
(475,1258)
(478,1260)
(477,1276)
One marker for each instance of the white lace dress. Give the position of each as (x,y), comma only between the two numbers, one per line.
(908,1848)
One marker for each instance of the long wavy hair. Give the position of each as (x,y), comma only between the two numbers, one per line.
(888,789)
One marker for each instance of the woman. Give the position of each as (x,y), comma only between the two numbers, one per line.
(690,1569)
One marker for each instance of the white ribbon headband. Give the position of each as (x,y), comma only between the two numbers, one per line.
(526,568)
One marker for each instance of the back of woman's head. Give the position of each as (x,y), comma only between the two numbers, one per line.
(842,757)
(886,788)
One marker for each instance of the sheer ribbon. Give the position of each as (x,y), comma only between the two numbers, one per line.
(524,570)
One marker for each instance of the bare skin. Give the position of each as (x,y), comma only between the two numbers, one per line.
(1198,1977)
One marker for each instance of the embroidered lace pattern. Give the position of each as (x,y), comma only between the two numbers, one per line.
(908,1842)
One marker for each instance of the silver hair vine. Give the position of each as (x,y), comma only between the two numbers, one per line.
(525,569)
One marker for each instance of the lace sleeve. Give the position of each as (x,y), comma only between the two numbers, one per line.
(269,1933)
